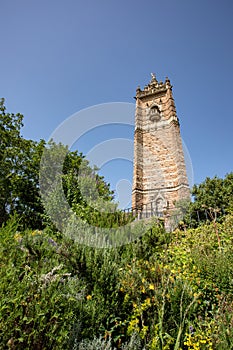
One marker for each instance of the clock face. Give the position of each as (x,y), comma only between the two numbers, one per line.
(155,114)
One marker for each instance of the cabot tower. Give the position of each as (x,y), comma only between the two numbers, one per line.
(160,177)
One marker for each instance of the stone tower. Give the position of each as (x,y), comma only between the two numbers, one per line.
(160,177)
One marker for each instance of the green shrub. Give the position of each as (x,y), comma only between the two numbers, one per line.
(40,299)
(162,291)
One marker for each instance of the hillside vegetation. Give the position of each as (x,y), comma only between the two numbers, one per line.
(164,290)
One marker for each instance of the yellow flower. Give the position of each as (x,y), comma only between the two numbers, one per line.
(151,286)
(36,232)
(89,297)
(17,236)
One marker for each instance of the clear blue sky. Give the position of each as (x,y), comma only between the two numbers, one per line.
(58,57)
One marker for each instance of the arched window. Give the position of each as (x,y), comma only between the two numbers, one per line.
(155,114)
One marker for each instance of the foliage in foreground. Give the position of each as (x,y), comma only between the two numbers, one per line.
(163,291)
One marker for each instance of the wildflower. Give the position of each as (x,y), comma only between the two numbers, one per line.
(191,329)
(18,237)
(36,232)
(53,276)
(52,242)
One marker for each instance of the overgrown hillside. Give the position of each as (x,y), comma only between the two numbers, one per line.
(164,291)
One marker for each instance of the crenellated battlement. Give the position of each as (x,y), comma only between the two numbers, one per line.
(153,88)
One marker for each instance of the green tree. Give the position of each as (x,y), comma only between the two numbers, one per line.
(212,199)
(19,168)
(69,185)
(20,165)
(10,125)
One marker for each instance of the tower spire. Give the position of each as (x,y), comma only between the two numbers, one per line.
(153,78)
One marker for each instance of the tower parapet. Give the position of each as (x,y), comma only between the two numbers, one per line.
(154,87)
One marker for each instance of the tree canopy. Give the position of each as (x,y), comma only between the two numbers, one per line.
(19,170)
(20,161)
(212,199)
